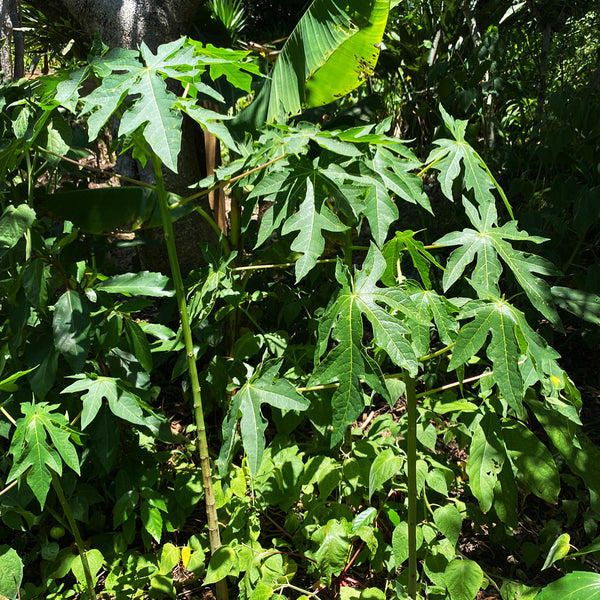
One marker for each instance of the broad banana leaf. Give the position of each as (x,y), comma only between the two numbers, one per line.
(332,50)
(103,210)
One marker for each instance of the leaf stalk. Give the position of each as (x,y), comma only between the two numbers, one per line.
(411,459)
(76,533)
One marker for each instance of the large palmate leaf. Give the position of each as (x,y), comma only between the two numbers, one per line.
(155,110)
(332,50)
(346,182)
(503,349)
(309,221)
(520,356)
(39,446)
(439,309)
(122,402)
(144,77)
(487,243)
(397,175)
(348,363)
(451,155)
(264,388)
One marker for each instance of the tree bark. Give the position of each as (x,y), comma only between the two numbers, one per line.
(18,39)
(126,23)
(6,66)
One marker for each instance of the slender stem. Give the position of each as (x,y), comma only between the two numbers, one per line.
(427,167)
(101,172)
(78,539)
(411,458)
(348,247)
(202,443)
(279,265)
(227,182)
(9,487)
(213,226)
(437,353)
(317,388)
(30,179)
(454,384)
(7,415)
(497,186)
(251,319)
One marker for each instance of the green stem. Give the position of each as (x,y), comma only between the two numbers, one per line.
(429,166)
(437,353)
(202,443)
(323,261)
(348,247)
(497,186)
(317,388)
(30,179)
(100,172)
(411,459)
(78,539)
(448,386)
(213,225)
(221,184)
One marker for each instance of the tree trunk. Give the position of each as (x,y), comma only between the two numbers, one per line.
(18,40)
(126,23)
(6,66)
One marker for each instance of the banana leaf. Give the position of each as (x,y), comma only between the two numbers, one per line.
(332,50)
(104,210)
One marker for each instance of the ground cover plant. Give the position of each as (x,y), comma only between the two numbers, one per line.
(331,402)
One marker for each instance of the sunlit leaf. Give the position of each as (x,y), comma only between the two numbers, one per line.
(558,550)
(348,362)
(463,579)
(142,283)
(97,389)
(40,444)
(11,572)
(487,455)
(487,243)
(332,50)
(266,388)
(448,520)
(579,585)
(385,466)
(400,542)
(333,543)
(309,220)
(451,156)
(14,222)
